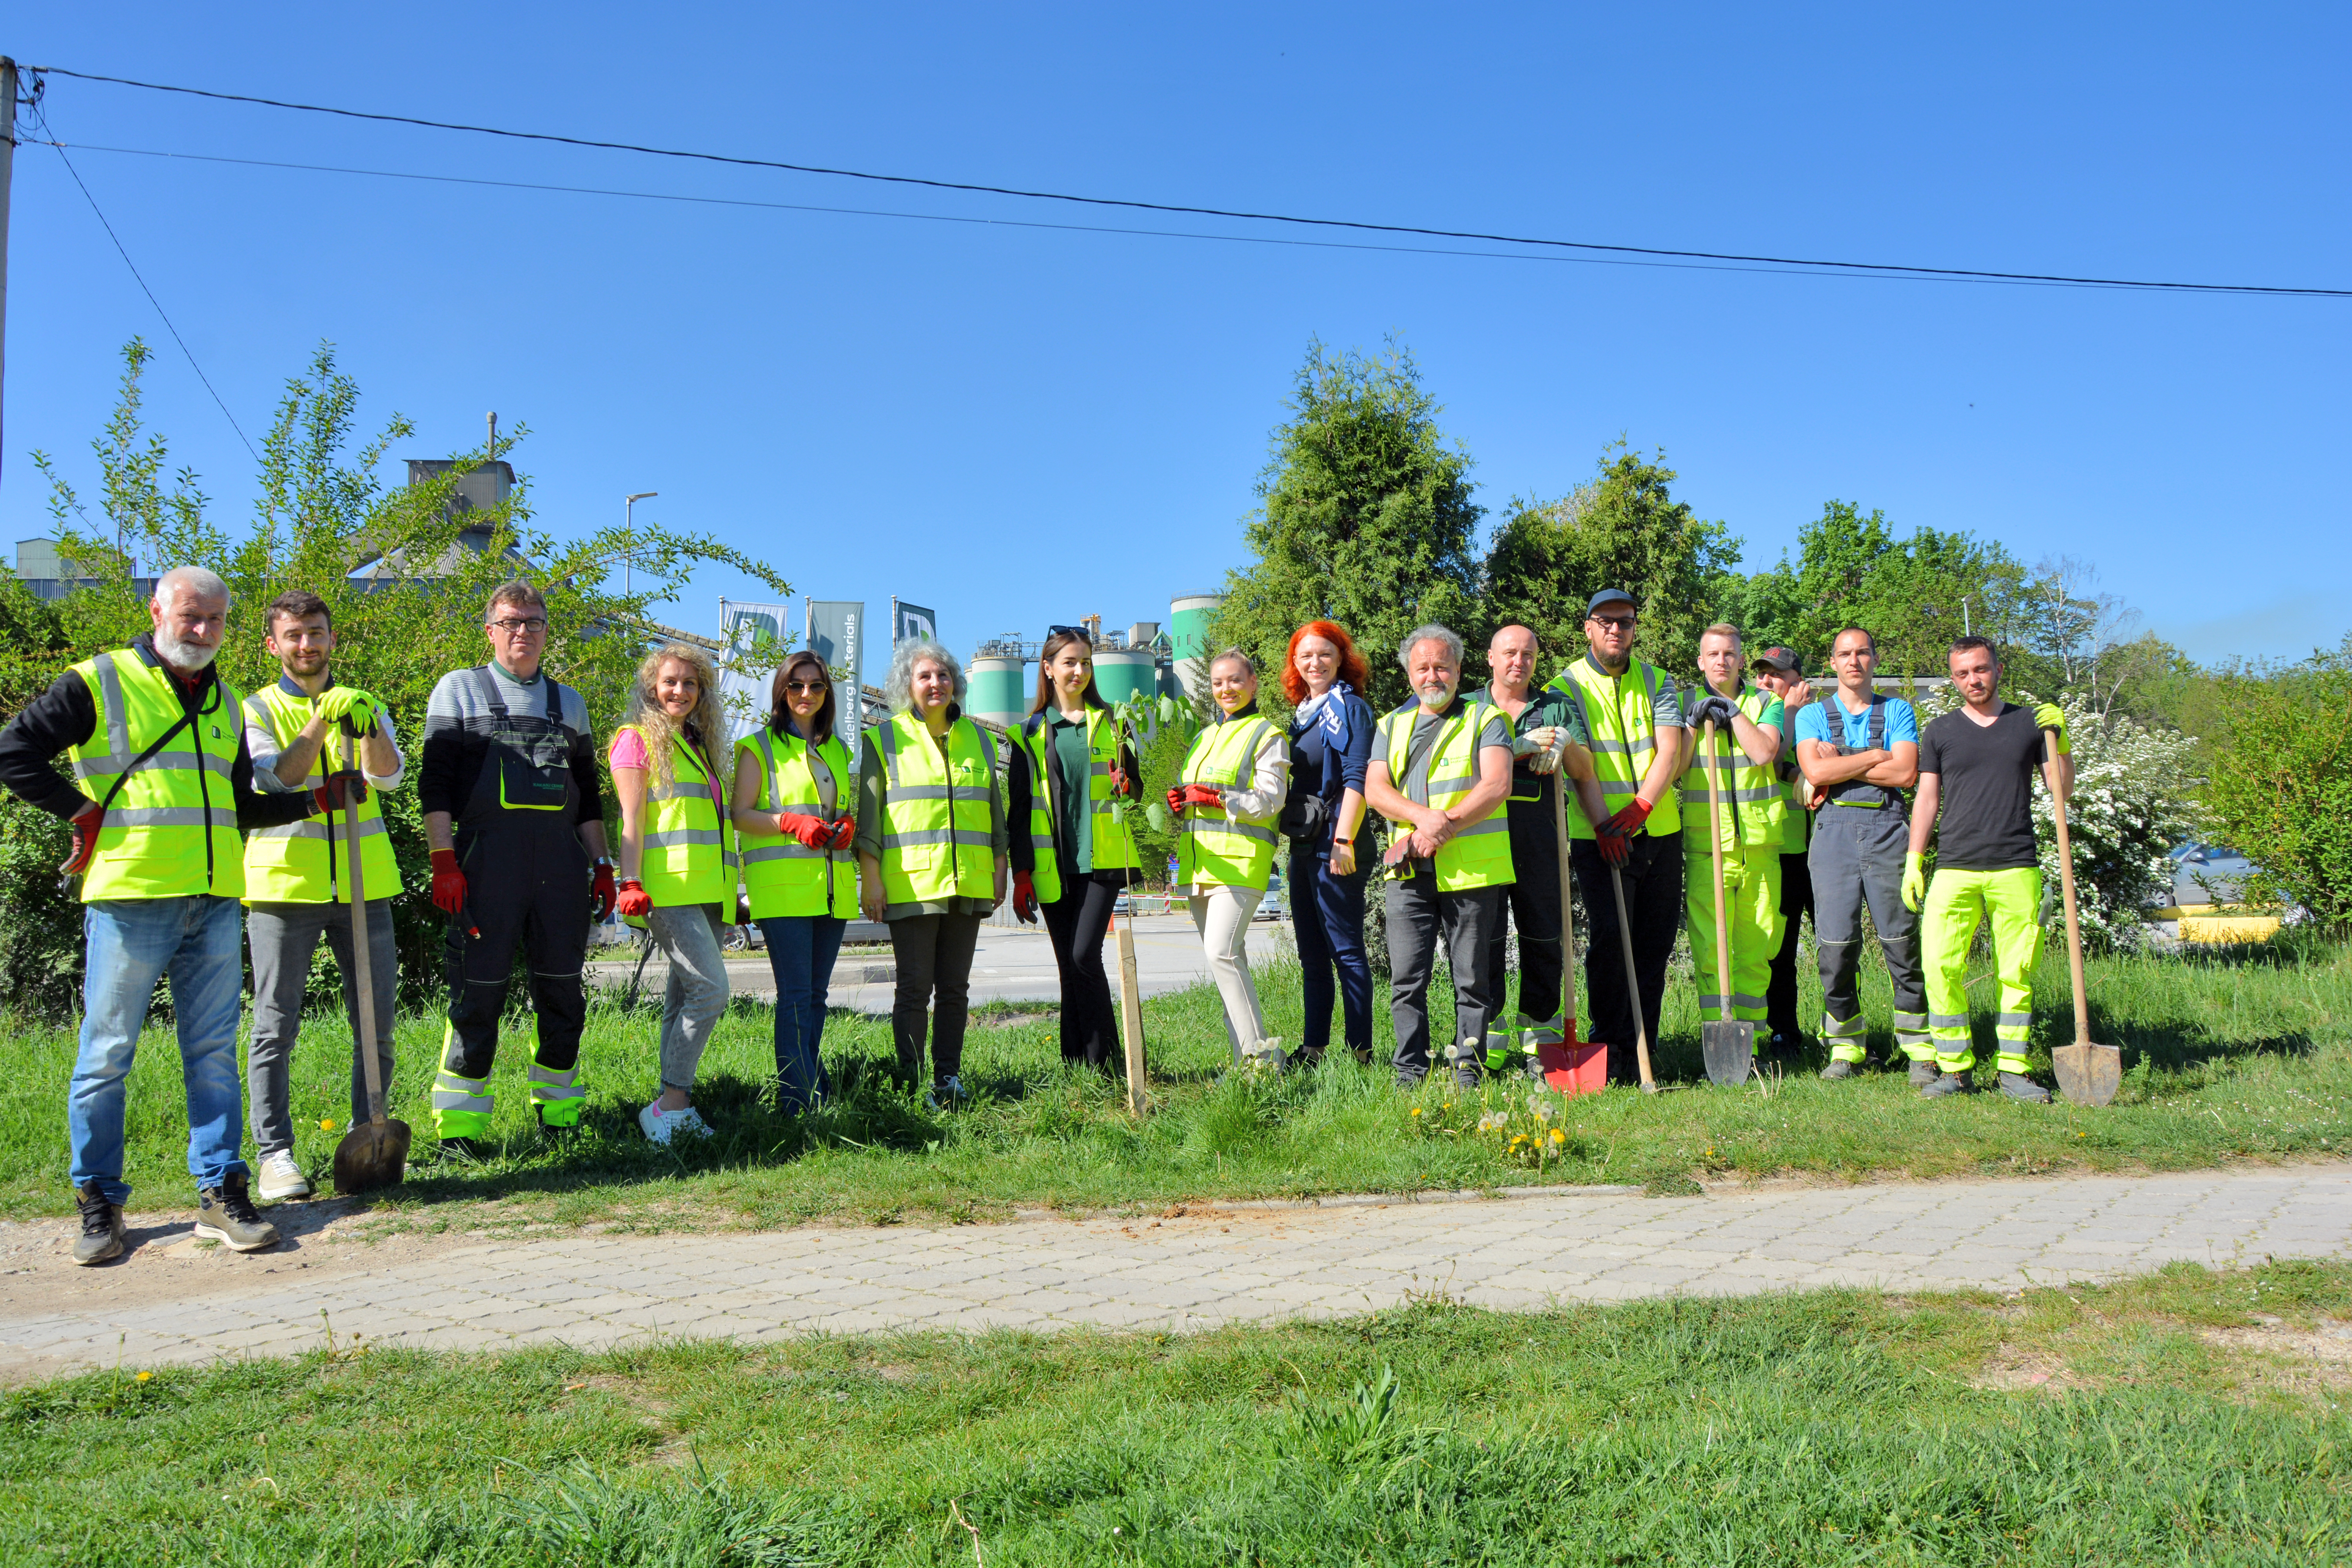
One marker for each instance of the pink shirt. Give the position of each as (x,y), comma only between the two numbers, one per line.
(628,751)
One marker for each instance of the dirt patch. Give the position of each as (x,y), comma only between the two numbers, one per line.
(1011,1020)
(2301,1361)
(2012,1369)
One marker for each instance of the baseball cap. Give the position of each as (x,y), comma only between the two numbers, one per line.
(1608,596)
(1779,659)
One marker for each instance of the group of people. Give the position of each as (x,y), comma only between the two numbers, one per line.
(198,813)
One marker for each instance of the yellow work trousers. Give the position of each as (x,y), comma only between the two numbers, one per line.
(1955,901)
(1751,913)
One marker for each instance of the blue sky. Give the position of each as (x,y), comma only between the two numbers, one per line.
(1018,426)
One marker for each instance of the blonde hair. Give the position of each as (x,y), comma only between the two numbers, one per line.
(653,722)
(1723,629)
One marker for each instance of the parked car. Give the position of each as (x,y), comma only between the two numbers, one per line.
(2207,874)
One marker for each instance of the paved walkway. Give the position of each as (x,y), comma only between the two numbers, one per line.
(1204,1266)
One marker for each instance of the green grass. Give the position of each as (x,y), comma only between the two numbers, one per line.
(2230,1056)
(2186,1417)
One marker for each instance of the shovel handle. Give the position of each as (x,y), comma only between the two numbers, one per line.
(1632,983)
(363,961)
(1567,904)
(1715,843)
(2066,884)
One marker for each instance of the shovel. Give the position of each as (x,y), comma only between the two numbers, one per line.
(1573,1065)
(2087,1074)
(1728,1045)
(375,1152)
(1632,983)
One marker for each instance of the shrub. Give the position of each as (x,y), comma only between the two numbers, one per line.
(2279,791)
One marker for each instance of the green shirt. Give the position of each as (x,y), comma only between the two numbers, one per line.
(1075,766)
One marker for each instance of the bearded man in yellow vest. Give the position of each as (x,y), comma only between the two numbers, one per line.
(1742,816)
(163,783)
(297,878)
(1440,771)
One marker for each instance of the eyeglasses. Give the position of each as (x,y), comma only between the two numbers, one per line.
(533,625)
(807,688)
(1614,623)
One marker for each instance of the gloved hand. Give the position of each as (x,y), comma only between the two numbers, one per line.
(1914,880)
(813,831)
(84,827)
(601,891)
(1722,709)
(1025,898)
(347,786)
(845,834)
(1176,801)
(1204,794)
(634,901)
(339,702)
(448,882)
(1122,787)
(2050,716)
(1615,848)
(1628,819)
(1550,741)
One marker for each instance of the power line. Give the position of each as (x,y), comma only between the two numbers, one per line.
(1766,261)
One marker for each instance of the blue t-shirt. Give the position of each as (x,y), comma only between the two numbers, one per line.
(1814,723)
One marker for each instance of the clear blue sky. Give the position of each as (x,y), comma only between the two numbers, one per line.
(1018,426)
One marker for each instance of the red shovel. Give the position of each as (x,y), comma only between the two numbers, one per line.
(1571,1066)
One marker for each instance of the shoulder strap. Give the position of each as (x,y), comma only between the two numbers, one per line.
(489,689)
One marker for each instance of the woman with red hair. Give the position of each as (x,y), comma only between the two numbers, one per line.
(1331,743)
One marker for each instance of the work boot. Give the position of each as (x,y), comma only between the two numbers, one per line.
(1532,1065)
(2017,1085)
(463,1150)
(1839,1069)
(225,1213)
(1950,1083)
(101,1227)
(1923,1073)
(281,1178)
(554,1131)
(1780,1047)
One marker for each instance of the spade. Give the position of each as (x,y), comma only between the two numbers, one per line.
(374,1154)
(1728,1045)
(2087,1074)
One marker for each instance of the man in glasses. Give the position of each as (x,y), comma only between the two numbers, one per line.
(515,817)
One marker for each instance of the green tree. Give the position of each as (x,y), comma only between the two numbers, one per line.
(2279,788)
(1365,519)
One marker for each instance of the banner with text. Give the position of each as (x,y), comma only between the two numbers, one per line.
(914,621)
(757,638)
(836,630)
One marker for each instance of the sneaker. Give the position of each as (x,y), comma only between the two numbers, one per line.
(1950,1083)
(947,1093)
(225,1213)
(663,1126)
(1839,1068)
(2017,1085)
(1923,1073)
(101,1227)
(281,1178)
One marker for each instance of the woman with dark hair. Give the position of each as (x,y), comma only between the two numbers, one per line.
(1331,730)
(1071,856)
(794,811)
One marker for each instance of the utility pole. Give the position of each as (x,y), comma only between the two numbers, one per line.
(7,168)
(628,526)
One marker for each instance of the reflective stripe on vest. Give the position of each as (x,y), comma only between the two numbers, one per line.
(782,876)
(1623,726)
(935,811)
(170,828)
(1750,795)
(1113,845)
(304,862)
(689,847)
(1479,853)
(1214,849)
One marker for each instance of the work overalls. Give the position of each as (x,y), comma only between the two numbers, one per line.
(1859,836)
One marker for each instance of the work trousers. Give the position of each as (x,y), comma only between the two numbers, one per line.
(1418,916)
(1751,919)
(1077,922)
(934,963)
(1534,903)
(1796,903)
(1857,860)
(1653,878)
(1327,917)
(801,953)
(1222,916)
(528,890)
(283,937)
(1955,901)
(695,999)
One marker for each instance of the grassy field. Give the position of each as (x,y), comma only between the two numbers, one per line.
(2229,1055)
(2186,1417)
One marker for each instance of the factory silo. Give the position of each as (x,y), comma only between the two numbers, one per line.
(1189,620)
(1124,672)
(999,687)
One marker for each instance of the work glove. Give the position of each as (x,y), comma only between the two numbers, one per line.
(1628,819)
(601,891)
(340,789)
(2050,716)
(1122,786)
(1550,745)
(845,833)
(1025,898)
(813,831)
(1615,848)
(84,825)
(339,703)
(448,882)
(633,901)
(1914,880)
(1722,709)
(1204,794)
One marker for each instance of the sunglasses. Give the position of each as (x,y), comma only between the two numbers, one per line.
(1078,632)
(807,688)
(1614,623)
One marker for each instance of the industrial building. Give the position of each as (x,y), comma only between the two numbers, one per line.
(1141,661)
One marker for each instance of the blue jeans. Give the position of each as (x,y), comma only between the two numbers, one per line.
(132,942)
(1327,916)
(801,951)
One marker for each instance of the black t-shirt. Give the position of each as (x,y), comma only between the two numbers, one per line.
(1988,788)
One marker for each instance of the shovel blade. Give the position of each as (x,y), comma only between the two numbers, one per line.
(1574,1066)
(2087,1074)
(372,1154)
(1730,1051)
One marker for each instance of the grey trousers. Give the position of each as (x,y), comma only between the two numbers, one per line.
(1856,859)
(696,997)
(1418,915)
(283,937)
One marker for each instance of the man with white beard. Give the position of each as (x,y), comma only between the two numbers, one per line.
(162,788)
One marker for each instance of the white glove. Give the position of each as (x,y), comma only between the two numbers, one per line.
(1550,742)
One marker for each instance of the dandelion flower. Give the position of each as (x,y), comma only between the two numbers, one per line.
(1416,1111)
(1558,1136)
(326,1124)
(145,1375)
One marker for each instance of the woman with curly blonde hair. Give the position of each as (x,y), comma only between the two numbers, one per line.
(677,860)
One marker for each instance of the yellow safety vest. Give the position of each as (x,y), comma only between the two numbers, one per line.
(1625,738)
(170,828)
(1750,796)
(1114,846)
(689,852)
(936,816)
(783,876)
(1479,853)
(1214,849)
(305,862)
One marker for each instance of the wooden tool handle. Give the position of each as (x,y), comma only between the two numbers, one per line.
(1632,981)
(2066,883)
(1130,1020)
(1715,843)
(362,961)
(1566,905)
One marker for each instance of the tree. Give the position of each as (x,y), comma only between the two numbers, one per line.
(2280,789)
(1365,519)
(1621,530)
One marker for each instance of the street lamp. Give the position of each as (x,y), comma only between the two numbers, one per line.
(628,512)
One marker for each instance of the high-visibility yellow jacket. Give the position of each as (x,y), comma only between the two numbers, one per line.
(936,816)
(1750,795)
(1479,853)
(1621,710)
(1113,845)
(781,875)
(688,848)
(1213,849)
(170,828)
(306,862)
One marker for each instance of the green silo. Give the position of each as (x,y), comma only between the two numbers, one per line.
(1188,636)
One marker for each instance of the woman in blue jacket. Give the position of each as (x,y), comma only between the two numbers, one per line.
(1331,731)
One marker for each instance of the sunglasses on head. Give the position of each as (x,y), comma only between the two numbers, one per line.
(1078,632)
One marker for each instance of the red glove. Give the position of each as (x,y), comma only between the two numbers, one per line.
(448,882)
(84,827)
(1120,784)
(1176,801)
(1629,818)
(1615,848)
(1025,898)
(340,787)
(634,901)
(1203,794)
(815,832)
(845,833)
(601,891)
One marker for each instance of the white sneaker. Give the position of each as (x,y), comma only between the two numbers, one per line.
(661,1126)
(281,1178)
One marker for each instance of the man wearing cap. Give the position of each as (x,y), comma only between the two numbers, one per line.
(1633,713)
(1778,671)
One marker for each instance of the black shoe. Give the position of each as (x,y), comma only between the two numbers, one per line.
(556,1131)
(1950,1083)
(463,1150)
(1841,1069)
(225,1213)
(1363,1055)
(1306,1061)
(2017,1085)
(101,1227)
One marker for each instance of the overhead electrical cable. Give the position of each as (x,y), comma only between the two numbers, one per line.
(1776,262)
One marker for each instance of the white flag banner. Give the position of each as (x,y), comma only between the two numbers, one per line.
(757,638)
(914,623)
